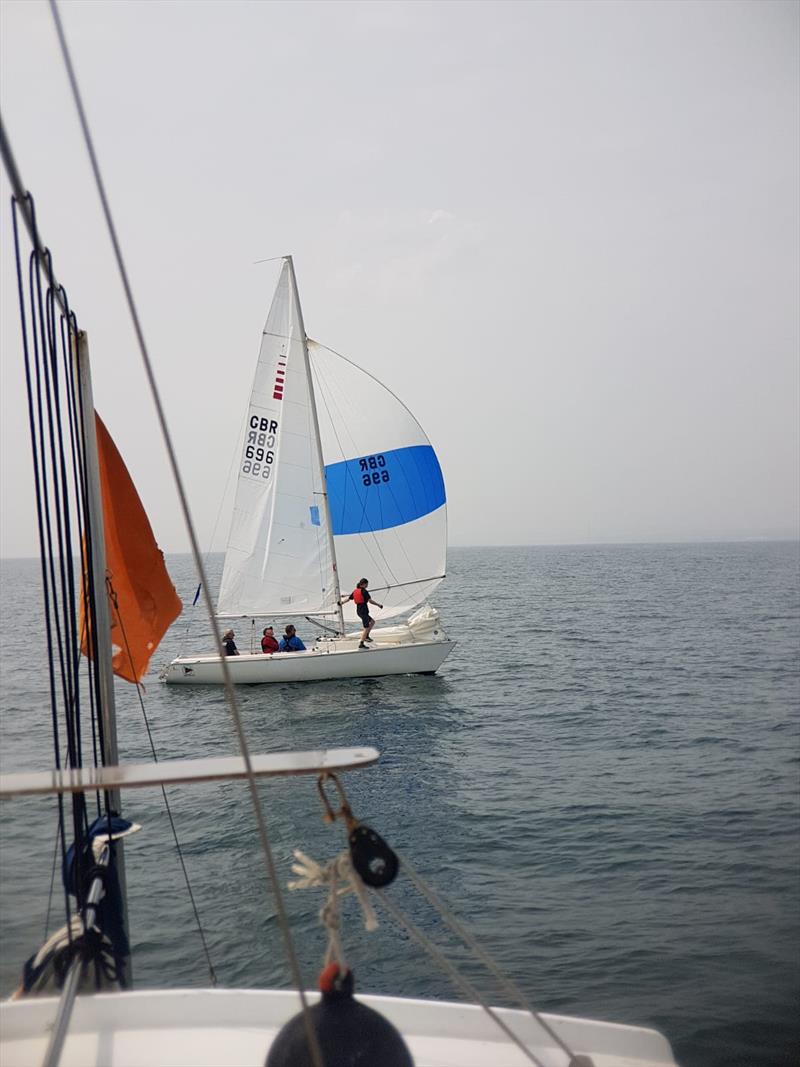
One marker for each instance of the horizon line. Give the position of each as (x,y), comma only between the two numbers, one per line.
(756,539)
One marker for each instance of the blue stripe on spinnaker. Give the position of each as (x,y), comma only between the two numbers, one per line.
(403,485)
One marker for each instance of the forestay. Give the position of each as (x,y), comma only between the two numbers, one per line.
(386,492)
(279,559)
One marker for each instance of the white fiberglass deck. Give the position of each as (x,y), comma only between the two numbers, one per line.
(234,1028)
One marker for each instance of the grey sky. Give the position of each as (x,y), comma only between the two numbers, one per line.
(566,234)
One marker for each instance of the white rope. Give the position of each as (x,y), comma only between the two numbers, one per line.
(338,870)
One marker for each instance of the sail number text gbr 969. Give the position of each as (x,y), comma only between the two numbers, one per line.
(373,470)
(258,449)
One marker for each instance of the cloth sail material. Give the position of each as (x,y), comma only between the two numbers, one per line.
(279,560)
(386,494)
(142,599)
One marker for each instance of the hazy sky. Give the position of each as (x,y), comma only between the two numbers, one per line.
(565,234)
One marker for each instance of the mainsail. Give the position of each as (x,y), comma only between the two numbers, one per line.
(386,492)
(279,559)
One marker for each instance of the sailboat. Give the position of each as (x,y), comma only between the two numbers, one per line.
(336,477)
(87,1012)
(74,1005)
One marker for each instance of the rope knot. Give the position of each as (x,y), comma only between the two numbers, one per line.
(340,878)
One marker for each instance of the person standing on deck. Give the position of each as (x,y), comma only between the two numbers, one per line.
(361,599)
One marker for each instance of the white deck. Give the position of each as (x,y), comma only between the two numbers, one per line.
(234,1028)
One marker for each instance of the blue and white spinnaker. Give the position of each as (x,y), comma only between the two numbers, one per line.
(386,493)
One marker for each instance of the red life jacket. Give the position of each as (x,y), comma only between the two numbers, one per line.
(358,596)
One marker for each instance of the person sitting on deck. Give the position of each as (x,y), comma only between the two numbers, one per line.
(268,642)
(229,644)
(291,642)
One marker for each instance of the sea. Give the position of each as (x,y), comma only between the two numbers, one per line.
(602,782)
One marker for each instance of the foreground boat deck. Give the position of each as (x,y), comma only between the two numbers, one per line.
(234,1028)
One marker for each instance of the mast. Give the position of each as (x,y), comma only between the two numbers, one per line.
(313,400)
(102,622)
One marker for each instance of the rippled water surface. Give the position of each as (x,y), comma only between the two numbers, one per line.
(602,780)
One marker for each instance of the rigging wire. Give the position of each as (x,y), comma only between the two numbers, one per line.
(327,348)
(228,482)
(452,972)
(460,930)
(368,546)
(314,874)
(68,332)
(112,595)
(272,872)
(369,542)
(38,477)
(37,474)
(49,384)
(56,843)
(326,562)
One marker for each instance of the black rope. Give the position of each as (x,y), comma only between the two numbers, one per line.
(56,420)
(49,492)
(38,489)
(269,860)
(49,337)
(54,385)
(68,566)
(61,485)
(51,446)
(112,595)
(56,843)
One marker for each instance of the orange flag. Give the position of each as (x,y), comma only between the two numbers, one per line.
(142,598)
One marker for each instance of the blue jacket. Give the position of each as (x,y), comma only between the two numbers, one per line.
(291,644)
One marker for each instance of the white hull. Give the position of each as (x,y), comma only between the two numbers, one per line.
(235,1028)
(333,659)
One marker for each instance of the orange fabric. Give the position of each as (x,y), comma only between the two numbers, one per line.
(142,598)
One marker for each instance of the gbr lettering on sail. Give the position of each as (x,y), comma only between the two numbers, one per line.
(259,447)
